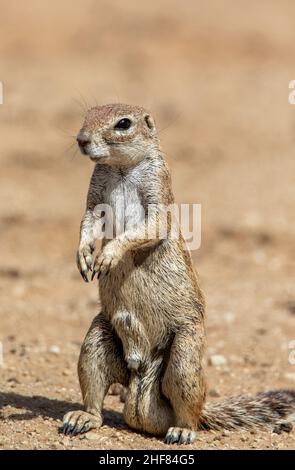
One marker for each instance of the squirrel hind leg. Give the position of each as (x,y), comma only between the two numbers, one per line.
(184,384)
(101,364)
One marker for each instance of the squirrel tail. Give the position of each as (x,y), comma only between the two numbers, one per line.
(274,409)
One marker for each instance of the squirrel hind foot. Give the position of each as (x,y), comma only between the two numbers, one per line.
(79,422)
(179,436)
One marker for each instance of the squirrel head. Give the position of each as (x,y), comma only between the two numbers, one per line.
(118,134)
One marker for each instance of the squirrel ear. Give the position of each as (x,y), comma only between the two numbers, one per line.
(149,122)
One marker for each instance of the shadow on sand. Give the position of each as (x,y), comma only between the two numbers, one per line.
(35,406)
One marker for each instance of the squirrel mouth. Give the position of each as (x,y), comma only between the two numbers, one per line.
(88,153)
(94,158)
(91,152)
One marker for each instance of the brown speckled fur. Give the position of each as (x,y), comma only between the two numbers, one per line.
(149,335)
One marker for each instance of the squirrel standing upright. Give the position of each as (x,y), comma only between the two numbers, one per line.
(149,335)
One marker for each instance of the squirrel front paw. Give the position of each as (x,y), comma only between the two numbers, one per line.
(106,260)
(84,259)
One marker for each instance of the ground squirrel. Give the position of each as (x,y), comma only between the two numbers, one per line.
(149,335)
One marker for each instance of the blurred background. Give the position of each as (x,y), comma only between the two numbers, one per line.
(215,75)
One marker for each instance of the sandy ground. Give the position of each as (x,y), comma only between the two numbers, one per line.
(216,77)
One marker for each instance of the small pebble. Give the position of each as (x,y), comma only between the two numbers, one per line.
(90,436)
(54,349)
(217,360)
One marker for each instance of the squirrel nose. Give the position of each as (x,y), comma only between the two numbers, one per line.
(83,140)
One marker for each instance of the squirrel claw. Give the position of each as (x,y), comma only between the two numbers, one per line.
(84,276)
(94,273)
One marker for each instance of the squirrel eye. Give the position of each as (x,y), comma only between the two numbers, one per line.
(123,124)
